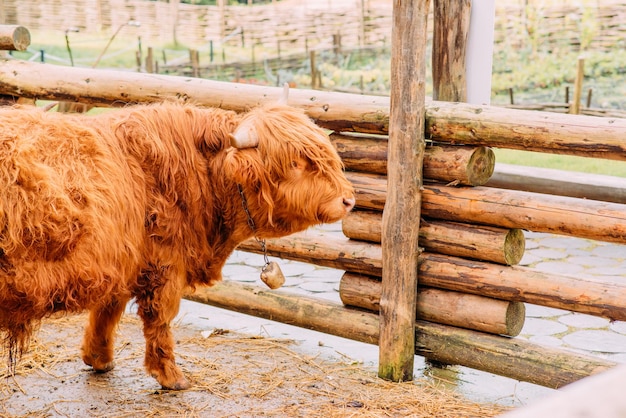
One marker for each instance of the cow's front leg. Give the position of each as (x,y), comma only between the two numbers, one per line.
(158,304)
(97,349)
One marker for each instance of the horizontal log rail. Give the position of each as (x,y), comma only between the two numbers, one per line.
(467,165)
(487,243)
(335,111)
(446,307)
(456,123)
(559,183)
(603,221)
(586,136)
(513,283)
(512,357)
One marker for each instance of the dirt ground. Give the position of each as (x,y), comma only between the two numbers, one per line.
(233,374)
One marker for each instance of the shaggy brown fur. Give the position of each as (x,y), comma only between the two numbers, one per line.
(142,203)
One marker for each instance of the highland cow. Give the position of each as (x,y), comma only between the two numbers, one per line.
(146,203)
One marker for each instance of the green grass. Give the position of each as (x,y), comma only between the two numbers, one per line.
(562,162)
(524,70)
(87,47)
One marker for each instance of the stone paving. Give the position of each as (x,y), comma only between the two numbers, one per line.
(547,326)
(580,258)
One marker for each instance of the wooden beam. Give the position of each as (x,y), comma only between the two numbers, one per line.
(457,123)
(463,310)
(400,229)
(515,358)
(471,166)
(559,183)
(479,242)
(302,311)
(589,296)
(586,136)
(603,221)
(335,111)
(451,21)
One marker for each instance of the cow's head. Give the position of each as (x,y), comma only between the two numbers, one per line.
(290,171)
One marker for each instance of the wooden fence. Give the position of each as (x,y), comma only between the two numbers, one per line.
(471,232)
(299,25)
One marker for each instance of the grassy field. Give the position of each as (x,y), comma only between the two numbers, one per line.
(85,49)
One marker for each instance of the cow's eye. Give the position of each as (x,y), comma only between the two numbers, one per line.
(299,165)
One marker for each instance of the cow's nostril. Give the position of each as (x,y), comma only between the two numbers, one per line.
(349,203)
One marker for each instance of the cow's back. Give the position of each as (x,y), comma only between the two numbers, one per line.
(71,213)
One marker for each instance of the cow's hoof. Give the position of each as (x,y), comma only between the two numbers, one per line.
(180,384)
(105,368)
(97,366)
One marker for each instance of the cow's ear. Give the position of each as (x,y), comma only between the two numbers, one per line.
(243,166)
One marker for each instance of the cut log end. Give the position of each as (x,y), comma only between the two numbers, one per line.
(14,38)
(514,246)
(480,166)
(515,318)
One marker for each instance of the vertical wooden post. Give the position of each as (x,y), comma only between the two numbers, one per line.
(194,59)
(451,25)
(337,43)
(402,210)
(578,86)
(139,54)
(253,57)
(313,69)
(150,60)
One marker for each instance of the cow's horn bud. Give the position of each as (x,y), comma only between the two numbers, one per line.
(244,136)
(285,95)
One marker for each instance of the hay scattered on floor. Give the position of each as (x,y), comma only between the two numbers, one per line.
(233,375)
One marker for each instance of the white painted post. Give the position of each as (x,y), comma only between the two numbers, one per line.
(479,56)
